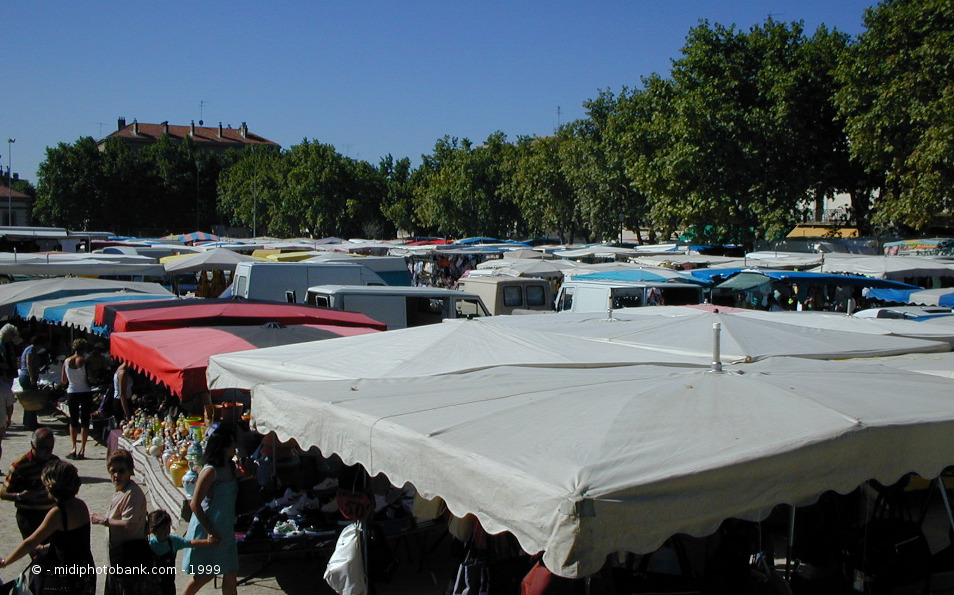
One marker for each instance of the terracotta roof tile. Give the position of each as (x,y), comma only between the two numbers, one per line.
(203,134)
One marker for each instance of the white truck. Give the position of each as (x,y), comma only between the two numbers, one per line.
(599,296)
(399,307)
(289,281)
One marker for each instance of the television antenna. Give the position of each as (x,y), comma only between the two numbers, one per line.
(202,105)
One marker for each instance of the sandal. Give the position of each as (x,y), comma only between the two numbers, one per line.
(80,457)
(71,456)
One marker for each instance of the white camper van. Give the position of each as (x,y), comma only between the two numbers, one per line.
(399,307)
(289,281)
(503,294)
(598,296)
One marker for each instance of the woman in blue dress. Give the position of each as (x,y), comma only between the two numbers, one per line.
(213,517)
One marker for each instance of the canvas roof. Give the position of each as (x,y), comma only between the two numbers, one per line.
(584,462)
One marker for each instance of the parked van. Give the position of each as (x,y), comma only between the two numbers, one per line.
(399,307)
(598,296)
(393,269)
(504,294)
(289,281)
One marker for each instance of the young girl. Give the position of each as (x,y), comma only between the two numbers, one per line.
(213,517)
(165,545)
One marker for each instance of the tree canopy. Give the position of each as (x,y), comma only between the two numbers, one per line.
(751,132)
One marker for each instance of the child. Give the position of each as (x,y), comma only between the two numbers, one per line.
(165,545)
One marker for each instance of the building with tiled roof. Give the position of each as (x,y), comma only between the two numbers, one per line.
(218,139)
(15,206)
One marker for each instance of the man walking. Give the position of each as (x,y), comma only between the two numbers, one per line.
(24,487)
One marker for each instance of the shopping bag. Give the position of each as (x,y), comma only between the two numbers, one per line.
(345,571)
(473,577)
(540,581)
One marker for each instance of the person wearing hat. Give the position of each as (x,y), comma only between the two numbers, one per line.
(9,338)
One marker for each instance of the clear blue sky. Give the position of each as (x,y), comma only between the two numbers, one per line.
(370,78)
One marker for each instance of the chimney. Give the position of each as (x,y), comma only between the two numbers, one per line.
(243,129)
(121,123)
(220,129)
(192,129)
(165,127)
(135,127)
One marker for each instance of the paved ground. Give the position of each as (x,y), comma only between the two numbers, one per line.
(295,574)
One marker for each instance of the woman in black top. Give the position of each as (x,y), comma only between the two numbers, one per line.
(67,528)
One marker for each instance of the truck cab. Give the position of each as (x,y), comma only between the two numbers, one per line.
(505,294)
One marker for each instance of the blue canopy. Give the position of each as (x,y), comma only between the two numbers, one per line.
(809,278)
(643,275)
(54,314)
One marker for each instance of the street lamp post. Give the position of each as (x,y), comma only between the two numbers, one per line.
(255,206)
(197,195)
(10,142)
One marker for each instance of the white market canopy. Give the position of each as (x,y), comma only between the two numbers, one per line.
(216,259)
(12,294)
(583,462)
(687,333)
(896,268)
(452,347)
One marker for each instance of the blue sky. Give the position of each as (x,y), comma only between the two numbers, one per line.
(371,78)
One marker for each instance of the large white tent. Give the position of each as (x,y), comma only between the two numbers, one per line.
(896,268)
(583,462)
(688,332)
(452,347)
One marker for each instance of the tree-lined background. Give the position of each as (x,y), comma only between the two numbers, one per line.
(751,130)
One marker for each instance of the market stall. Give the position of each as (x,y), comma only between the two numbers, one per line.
(205,312)
(622,458)
(177,358)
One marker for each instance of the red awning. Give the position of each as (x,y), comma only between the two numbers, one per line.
(142,316)
(178,357)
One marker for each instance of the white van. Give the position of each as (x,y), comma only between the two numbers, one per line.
(393,269)
(289,281)
(599,296)
(503,294)
(399,307)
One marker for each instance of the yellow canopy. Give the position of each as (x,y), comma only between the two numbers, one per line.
(823,231)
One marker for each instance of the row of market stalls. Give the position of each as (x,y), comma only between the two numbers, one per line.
(581,435)
(167,338)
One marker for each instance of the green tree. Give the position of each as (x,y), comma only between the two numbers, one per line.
(398,203)
(744,148)
(249,190)
(69,186)
(459,192)
(537,184)
(592,154)
(898,102)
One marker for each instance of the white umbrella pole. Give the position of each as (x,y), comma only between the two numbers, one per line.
(947,503)
(716,347)
(790,546)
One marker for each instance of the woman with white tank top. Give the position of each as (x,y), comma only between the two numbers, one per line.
(79,397)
